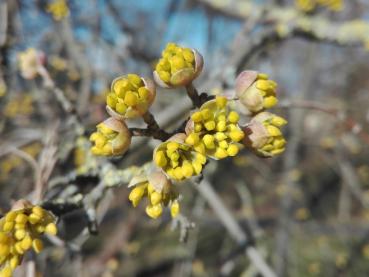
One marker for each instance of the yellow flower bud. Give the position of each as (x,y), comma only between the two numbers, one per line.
(37,245)
(18,233)
(255,91)
(157,188)
(137,193)
(263,135)
(174,209)
(111,138)
(26,243)
(155,198)
(179,156)
(192,139)
(51,229)
(131,96)
(154,211)
(178,66)
(216,128)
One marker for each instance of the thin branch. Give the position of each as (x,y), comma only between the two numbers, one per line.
(295,23)
(193,94)
(154,128)
(233,228)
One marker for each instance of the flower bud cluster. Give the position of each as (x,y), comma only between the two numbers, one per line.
(130,96)
(257,93)
(178,66)
(21,230)
(111,138)
(178,159)
(263,134)
(213,130)
(159,192)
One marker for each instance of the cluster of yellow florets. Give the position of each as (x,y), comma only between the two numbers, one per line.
(159,191)
(309,5)
(178,159)
(21,230)
(255,91)
(130,96)
(178,66)
(174,58)
(59,9)
(263,134)
(111,138)
(215,131)
(212,131)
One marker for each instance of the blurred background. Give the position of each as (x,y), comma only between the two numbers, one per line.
(305,212)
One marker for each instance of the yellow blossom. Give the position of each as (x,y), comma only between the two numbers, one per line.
(264,136)
(178,159)
(111,138)
(213,130)
(159,191)
(255,91)
(130,96)
(178,66)
(21,230)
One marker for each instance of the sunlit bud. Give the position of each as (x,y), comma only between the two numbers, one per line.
(156,187)
(154,211)
(155,198)
(216,129)
(174,209)
(192,139)
(51,229)
(220,153)
(131,96)
(111,138)
(137,193)
(18,233)
(34,218)
(178,66)
(176,158)
(37,245)
(233,150)
(263,134)
(26,243)
(255,91)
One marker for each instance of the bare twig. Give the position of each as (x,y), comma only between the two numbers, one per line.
(233,228)
(28,158)
(193,94)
